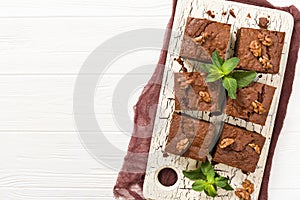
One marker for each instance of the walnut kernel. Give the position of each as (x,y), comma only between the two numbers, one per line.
(242,194)
(245,192)
(255,147)
(226,142)
(265,62)
(248,186)
(182,144)
(205,96)
(265,39)
(255,48)
(201,39)
(258,107)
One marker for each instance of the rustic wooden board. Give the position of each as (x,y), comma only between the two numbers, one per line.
(279,21)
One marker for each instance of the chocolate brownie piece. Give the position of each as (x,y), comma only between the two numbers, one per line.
(202,37)
(259,49)
(193,93)
(189,137)
(252,103)
(239,148)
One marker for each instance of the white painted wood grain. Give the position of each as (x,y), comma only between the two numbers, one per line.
(84,8)
(42,46)
(61,45)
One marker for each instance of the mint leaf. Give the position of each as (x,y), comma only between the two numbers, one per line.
(227,187)
(210,190)
(229,65)
(214,76)
(217,60)
(211,176)
(207,67)
(222,182)
(210,68)
(244,78)
(199,185)
(194,174)
(205,167)
(220,178)
(224,185)
(230,84)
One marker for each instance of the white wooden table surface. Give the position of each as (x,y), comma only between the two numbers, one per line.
(43,45)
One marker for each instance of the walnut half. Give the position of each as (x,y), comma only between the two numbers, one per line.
(242,194)
(265,39)
(226,142)
(258,107)
(265,62)
(255,147)
(248,186)
(205,96)
(182,144)
(201,39)
(245,192)
(255,48)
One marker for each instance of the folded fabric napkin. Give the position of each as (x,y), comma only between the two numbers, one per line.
(129,185)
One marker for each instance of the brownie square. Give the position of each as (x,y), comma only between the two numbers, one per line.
(252,103)
(259,49)
(189,137)
(202,37)
(239,148)
(193,93)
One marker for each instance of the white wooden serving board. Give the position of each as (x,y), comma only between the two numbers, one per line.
(279,21)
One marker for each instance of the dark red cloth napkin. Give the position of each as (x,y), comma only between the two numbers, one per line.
(129,185)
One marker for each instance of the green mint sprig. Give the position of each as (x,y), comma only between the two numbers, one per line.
(207,180)
(231,79)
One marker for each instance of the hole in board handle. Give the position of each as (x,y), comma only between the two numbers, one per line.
(167,177)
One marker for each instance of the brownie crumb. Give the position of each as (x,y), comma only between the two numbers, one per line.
(211,14)
(232,13)
(165,155)
(249,16)
(263,22)
(181,62)
(224,13)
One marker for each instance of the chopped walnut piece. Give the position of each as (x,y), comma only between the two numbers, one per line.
(268,41)
(245,192)
(255,48)
(182,144)
(242,194)
(255,147)
(258,107)
(205,96)
(226,142)
(265,39)
(201,39)
(248,186)
(265,62)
